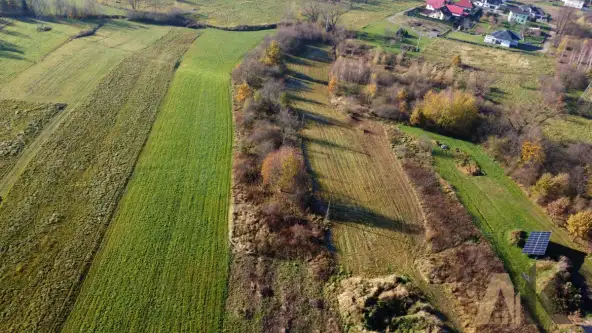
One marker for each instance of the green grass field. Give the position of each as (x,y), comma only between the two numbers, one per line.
(21,45)
(163,265)
(72,71)
(376,32)
(364,14)
(499,206)
(58,207)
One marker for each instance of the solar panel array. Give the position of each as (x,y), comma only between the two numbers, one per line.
(537,243)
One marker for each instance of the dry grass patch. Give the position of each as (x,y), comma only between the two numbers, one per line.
(515,75)
(20,123)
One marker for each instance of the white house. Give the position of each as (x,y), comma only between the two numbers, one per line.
(505,38)
(518,15)
(489,4)
(579,4)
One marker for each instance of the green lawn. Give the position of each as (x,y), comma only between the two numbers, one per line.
(499,206)
(363,14)
(376,33)
(163,265)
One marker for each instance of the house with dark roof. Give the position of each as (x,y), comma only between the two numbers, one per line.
(505,38)
(536,13)
(518,15)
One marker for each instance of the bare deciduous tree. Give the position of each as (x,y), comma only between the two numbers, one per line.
(135,4)
(331,15)
(566,14)
(311,11)
(532,114)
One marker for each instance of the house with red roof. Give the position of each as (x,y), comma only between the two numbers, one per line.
(444,9)
(465,4)
(456,10)
(435,4)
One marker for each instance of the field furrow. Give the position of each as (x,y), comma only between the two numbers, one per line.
(377,217)
(56,213)
(163,265)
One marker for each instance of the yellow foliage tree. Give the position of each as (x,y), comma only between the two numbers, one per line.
(243,92)
(402,95)
(417,117)
(403,106)
(532,152)
(579,224)
(457,61)
(371,90)
(272,54)
(453,111)
(550,187)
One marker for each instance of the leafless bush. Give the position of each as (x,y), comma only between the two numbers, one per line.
(385,79)
(245,169)
(171,18)
(574,78)
(390,112)
(350,70)
(292,37)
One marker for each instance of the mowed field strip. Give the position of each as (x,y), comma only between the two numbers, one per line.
(376,213)
(21,45)
(499,206)
(69,73)
(163,265)
(56,213)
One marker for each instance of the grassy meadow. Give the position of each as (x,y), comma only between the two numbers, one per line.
(22,46)
(362,14)
(376,33)
(499,206)
(73,70)
(163,265)
(57,209)
(514,76)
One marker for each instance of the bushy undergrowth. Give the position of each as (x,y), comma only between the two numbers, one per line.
(450,99)
(269,166)
(387,304)
(460,259)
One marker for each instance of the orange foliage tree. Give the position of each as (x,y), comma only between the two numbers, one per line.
(332,87)
(281,169)
(243,92)
(532,152)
